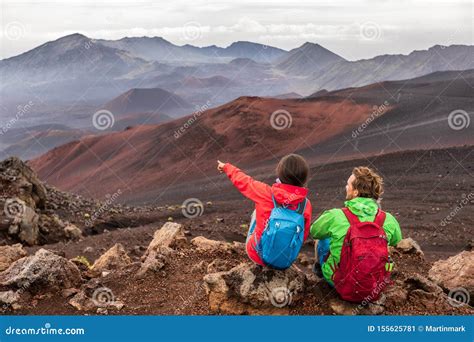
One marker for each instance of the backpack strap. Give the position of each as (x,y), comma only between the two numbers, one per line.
(380,218)
(275,203)
(302,206)
(351,217)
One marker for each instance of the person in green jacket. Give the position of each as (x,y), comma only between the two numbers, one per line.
(363,190)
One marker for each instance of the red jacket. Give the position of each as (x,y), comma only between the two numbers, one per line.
(261,194)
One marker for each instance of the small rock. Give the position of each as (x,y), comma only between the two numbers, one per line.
(7,298)
(208,245)
(305,260)
(115,258)
(102,311)
(455,273)
(72,232)
(28,227)
(160,247)
(88,249)
(409,246)
(66,293)
(10,254)
(217,265)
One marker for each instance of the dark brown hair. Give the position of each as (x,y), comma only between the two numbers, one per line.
(293,169)
(367,182)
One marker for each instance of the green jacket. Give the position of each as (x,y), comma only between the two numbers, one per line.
(333,224)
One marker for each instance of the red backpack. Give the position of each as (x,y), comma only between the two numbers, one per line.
(364,268)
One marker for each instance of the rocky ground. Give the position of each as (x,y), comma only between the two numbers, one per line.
(64,254)
(174,274)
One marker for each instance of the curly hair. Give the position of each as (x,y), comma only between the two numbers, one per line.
(367,182)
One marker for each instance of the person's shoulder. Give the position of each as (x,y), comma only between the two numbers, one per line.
(333,213)
(390,219)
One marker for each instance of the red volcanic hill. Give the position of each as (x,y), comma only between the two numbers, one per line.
(146,161)
(148,100)
(145,158)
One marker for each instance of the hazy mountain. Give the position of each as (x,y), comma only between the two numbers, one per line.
(159,49)
(307,59)
(257,52)
(30,142)
(69,58)
(393,67)
(148,100)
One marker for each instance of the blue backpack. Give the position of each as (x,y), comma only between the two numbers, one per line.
(283,236)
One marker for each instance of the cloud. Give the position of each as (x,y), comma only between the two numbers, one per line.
(401,26)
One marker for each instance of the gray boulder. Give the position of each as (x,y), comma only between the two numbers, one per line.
(43,270)
(252,289)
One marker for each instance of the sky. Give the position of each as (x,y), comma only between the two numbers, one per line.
(354,29)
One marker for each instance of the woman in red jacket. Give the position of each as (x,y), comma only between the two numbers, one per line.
(289,190)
